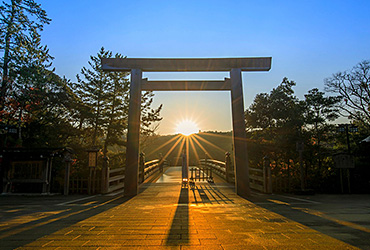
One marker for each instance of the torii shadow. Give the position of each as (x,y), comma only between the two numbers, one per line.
(179,231)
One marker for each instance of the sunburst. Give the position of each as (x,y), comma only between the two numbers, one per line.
(187,127)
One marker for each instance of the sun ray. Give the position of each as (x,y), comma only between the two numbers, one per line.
(163,145)
(182,138)
(174,146)
(204,150)
(187,150)
(193,148)
(209,143)
(216,135)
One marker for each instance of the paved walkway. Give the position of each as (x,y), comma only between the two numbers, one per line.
(164,216)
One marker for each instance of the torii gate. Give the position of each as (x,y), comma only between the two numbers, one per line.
(233,84)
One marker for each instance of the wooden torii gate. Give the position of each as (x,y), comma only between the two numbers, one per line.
(233,84)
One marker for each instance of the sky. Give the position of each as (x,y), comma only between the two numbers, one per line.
(307,40)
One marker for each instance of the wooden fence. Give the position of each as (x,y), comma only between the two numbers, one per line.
(80,185)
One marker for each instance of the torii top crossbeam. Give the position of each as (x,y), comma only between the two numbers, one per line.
(187,64)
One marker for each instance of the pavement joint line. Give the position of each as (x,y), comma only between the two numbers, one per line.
(277,242)
(68,232)
(299,199)
(85,243)
(68,202)
(75,238)
(312,240)
(48,243)
(286,236)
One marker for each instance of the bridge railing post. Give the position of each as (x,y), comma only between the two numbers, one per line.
(228,167)
(105,175)
(67,160)
(142,168)
(267,182)
(161,162)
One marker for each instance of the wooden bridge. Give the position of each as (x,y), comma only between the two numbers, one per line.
(260,179)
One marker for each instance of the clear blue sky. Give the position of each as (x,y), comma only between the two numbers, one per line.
(308,41)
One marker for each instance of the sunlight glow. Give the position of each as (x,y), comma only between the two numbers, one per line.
(187,127)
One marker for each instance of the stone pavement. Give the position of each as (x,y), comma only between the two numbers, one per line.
(164,216)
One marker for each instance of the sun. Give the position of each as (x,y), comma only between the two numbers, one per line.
(187,127)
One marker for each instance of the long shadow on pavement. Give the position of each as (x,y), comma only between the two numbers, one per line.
(24,233)
(332,228)
(179,231)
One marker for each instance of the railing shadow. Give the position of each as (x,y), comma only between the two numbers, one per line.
(179,231)
(209,194)
(48,225)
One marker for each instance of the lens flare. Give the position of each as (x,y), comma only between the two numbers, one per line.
(187,127)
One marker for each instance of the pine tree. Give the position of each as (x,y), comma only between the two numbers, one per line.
(92,90)
(106,96)
(20,22)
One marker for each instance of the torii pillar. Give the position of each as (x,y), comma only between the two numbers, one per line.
(239,135)
(234,65)
(133,135)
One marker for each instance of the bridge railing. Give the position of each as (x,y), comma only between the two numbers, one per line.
(201,173)
(151,167)
(146,169)
(209,166)
(116,177)
(260,179)
(222,169)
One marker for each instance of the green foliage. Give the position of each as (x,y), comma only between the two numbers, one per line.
(20,22)
(320,109)
(29,91)
(278,120)
(278,109)
(46,110)
(103,108)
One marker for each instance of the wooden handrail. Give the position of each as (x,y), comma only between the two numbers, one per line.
(116,170)
(260,179)
(218,167)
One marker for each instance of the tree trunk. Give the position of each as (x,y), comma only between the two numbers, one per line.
(96,125)
(4,84)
